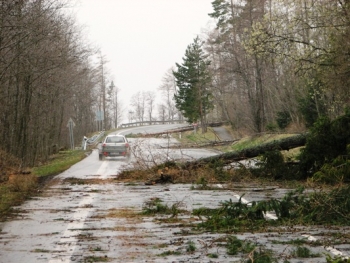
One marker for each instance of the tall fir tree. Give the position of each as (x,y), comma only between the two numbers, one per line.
(193,80)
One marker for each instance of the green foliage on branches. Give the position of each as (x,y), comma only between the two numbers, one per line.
(337,259)
(326,141)
(311,106)
(283,119)
(235,246)
(325,207)
(193,98)
(296,207)
(221,13)
(272,165)
(232,216)
(336,171)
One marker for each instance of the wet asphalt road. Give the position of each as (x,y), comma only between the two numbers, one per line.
(49,227)
(96,222)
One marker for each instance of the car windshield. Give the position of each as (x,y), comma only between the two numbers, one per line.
(114,139)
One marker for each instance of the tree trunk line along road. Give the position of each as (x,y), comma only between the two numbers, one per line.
(72,221)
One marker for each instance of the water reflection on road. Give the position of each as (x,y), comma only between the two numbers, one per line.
(85,215)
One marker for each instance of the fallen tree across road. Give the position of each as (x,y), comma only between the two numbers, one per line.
(251,152)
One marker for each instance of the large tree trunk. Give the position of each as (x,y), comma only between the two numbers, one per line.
(283,144)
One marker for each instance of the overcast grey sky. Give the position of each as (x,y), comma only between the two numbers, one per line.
(142,39)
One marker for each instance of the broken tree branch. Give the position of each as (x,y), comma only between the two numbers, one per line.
(283,144)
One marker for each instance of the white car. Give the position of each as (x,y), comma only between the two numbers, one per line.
(114,146)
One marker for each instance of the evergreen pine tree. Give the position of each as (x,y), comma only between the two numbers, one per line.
(193,97)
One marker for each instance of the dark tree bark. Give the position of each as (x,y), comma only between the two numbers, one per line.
(283,144)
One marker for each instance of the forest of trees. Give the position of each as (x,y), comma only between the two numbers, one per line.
(275,60)
(46,78)
(277,63)
(271,65)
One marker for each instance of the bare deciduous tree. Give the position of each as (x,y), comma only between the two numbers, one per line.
(45,79)
(138,103)
(115,104)
(150,100)
(168,90)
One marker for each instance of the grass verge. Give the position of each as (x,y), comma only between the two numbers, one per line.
(59,163)
(19,187)
(191,137)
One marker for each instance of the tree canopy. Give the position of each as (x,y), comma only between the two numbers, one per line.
(193,97)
